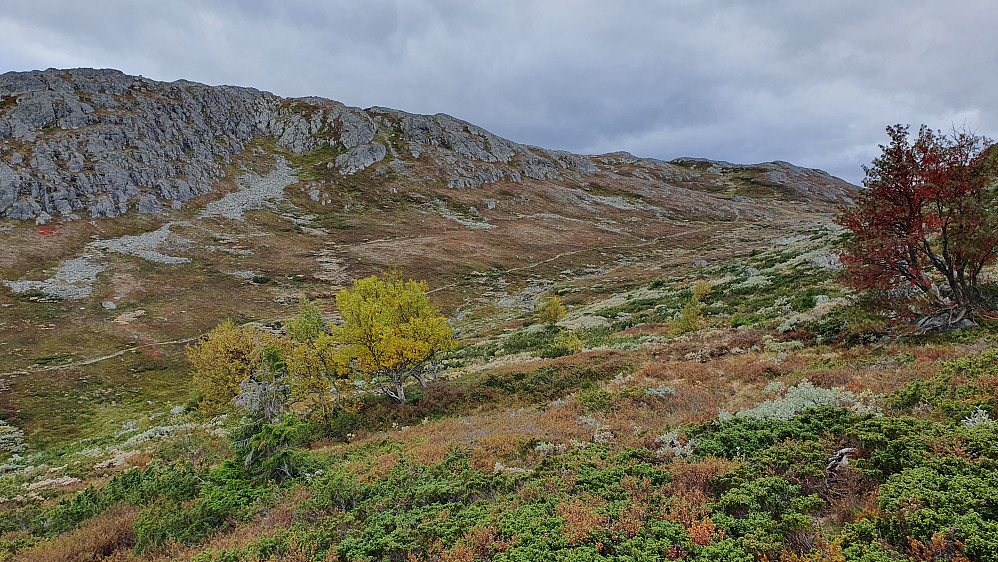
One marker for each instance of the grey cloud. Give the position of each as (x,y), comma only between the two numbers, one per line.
(810,82)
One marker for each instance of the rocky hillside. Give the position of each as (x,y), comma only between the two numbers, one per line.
(138,214)
(99,143)
(704,388)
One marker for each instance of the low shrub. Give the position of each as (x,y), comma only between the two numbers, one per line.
(531,340)
(741,437)
(176,482)
(565,344)
(102,536)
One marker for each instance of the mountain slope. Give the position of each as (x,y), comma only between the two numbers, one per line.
(141,213)
(712,393)
(98,143)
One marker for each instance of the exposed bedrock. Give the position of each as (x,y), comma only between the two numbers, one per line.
(99,143)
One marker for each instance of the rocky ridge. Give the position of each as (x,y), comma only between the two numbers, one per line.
(99,143)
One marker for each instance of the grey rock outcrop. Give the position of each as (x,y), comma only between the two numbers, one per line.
(99,143)
(473,156)
(807,182)
(99,138)
(306,124)
(794,182)
(360,157)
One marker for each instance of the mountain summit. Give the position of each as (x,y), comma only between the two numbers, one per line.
(99,143)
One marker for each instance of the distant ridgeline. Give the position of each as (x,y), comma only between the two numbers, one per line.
(99,143)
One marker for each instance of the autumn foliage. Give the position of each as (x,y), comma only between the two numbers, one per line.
(220,361)
(390,332)
(389,336)
(551,311)
(926,225)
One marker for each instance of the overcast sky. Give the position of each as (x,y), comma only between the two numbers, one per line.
(814,83)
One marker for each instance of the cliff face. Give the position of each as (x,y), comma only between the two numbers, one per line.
(98,143)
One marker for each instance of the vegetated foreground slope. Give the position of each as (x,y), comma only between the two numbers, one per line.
(712,394)
(749,409)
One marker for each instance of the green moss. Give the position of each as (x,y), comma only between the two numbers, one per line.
(312,166)
(604,191)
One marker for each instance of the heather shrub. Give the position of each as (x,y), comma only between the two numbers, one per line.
(964,386)
(336,489)
(766,513)
(892,444)
(184,524)
(974,367)
(661,391)
(744,436)
(740,319)
(797,459)
(102,536)
(944,494)
(854,324)
(594,398)
(726,550)
(531,340)
(227,495)
(548,382)
(416,506)
(176,482)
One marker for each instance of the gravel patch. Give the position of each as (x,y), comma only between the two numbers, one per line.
(72,280)
(75,278)
(143,245)
(255,192)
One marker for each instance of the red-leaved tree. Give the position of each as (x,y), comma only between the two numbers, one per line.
(926,224)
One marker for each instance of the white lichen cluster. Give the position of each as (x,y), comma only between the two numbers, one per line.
(603,434)
(754,282)
(547,450)
(669,446)
(801,397)
(977,418)
(781,346)
(11,438)
(793,321)
(501,468)
(661,391)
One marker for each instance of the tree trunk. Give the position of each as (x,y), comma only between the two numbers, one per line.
(418,375)
(336,393)
(398,380)
(399,390)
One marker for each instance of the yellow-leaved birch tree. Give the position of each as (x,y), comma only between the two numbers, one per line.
(390,332)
